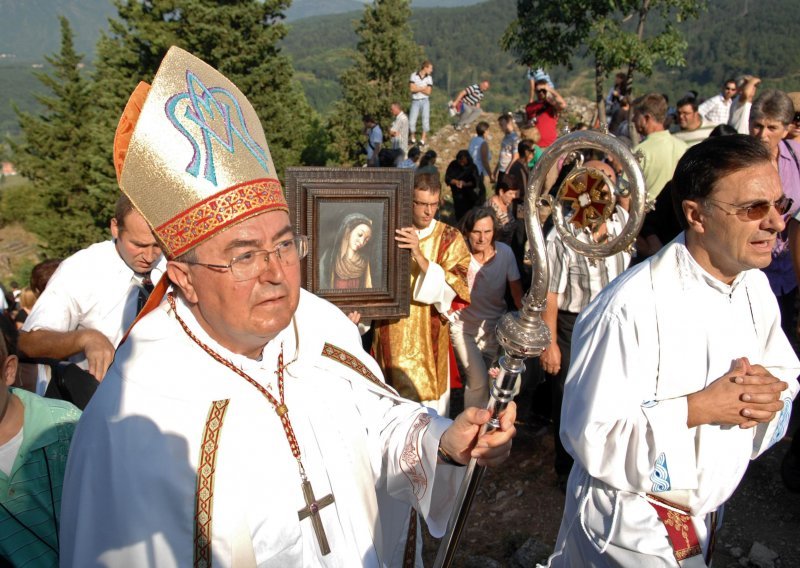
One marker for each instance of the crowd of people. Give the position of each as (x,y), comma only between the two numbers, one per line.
(237,418)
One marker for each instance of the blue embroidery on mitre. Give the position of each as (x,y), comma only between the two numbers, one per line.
(204,106)
(783,422)
(660,475)
(649,403)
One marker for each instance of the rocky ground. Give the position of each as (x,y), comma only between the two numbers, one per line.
(516,515)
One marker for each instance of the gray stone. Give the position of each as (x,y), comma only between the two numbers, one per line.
(530,554)
(736,552)
(481,562)
(761,556)
(500,495)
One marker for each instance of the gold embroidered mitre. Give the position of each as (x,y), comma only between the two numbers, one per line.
(197,161)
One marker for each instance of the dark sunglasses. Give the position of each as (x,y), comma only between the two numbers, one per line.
(796,118)
(756,211)
(541,91)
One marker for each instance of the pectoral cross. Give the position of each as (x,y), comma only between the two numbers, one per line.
(312,510)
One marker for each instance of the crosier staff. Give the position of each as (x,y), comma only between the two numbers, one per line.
(592,198)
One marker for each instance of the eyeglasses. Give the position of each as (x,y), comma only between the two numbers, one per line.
(541,91)
(425,204)
(251,264)
(730,88)
(796,118)
(756,211)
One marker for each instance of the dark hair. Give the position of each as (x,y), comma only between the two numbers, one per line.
(41,274)
(688,100)
(122,209)
(428,182)
(481,128)
(731,80)
(8,339)
(508,182)
(541,82)
(413,153)
(722,130)
(463,154)
(653,104)
(387,157)
(704,164)
(472,217)
(367,118)
(427,158)
(525,145)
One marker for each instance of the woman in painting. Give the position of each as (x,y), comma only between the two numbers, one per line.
(346,263)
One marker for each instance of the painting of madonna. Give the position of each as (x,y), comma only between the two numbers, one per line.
(348,263)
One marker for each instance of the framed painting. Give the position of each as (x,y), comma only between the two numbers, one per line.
(350,216)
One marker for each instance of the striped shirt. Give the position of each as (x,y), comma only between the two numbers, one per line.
(473,95)
(573,277)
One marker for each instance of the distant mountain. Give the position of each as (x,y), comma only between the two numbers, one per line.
(309,8)
(29,29)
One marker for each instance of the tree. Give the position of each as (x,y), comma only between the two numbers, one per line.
(551,33)
(238,37)
(385,58)
(51,153)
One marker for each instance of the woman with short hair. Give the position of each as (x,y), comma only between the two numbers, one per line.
(472,332)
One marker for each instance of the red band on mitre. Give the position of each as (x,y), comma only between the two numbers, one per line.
(127,123)
(220,211)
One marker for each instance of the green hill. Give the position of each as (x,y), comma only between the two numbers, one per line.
(731,38)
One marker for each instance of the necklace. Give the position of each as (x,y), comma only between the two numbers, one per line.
(313,505)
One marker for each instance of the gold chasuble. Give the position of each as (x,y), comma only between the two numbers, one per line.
(413,352)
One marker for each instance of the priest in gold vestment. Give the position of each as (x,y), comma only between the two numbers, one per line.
(413,351)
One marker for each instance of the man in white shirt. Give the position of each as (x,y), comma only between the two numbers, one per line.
(680,373)
(421,85)
(717,109)
(94,296)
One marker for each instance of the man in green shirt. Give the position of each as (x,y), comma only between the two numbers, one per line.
(35,434)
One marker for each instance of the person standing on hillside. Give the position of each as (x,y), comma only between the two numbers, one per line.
(717,109)
(508,145)
(374,134)
(481,156)
(399,131)
(421,84)
(544,112)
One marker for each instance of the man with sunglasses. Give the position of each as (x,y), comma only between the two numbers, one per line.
(680,373)
(241,423)
(544,111)
(717,109)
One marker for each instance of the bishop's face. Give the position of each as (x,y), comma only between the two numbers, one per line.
(243,316)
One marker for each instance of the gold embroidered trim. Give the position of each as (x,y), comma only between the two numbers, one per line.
(204,496)
(219,211)
(348,360)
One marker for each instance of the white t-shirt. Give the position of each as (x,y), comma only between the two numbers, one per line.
(487,287)
(9,451)
(426,81)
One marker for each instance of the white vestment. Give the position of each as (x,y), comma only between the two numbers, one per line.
(92,289)
(130,486)
(659,332)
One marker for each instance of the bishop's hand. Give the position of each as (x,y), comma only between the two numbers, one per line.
(461,441)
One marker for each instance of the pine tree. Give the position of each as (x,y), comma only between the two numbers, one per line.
(65,212)
(237,37)
(386,57)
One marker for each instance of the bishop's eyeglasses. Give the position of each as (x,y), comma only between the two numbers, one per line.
(255,262)
(755,211)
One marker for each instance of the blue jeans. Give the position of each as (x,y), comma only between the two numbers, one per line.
(416,105)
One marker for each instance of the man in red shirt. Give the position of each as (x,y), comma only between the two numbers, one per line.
(544,111)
